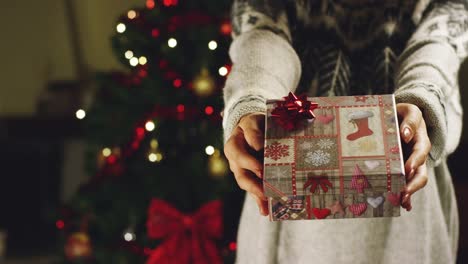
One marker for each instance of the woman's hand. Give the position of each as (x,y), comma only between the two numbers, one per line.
(414,135)
(246,139)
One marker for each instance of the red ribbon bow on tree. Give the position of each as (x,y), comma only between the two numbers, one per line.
(321,181)
(188,238)
(294,108)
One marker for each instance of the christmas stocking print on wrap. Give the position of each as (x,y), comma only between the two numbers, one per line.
(361,120)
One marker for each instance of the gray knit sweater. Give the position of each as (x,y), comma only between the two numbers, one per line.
(344,47)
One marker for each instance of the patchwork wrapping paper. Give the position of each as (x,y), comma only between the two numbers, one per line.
(345,163)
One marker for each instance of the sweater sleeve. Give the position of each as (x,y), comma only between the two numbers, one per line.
(265,66)
(427,73)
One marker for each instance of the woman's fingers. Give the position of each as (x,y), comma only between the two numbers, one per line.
(414,133)
(252,185)
(246,139)
(248,182)
(419,181)
(421,148)
(253,126)
(416,183)
(236,152)
(407,204)
(412,117)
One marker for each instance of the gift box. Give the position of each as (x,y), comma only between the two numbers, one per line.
(332,157)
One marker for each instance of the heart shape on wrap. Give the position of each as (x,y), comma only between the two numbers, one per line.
(394,198)
(324,119)
(358,208)
(372,164)
(375,201)
(321,213)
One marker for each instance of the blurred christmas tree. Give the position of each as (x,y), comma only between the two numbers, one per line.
(154,141)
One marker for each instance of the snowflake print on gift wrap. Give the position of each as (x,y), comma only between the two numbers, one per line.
(325,143)
(307,145)
(318,158)
(276,151)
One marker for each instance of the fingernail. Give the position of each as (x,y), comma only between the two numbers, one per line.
(411,173)
(406,134)
(405,198)
(409,208)
(259,172)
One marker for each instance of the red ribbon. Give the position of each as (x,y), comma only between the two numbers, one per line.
(293,109)
(321,181)
(188,238)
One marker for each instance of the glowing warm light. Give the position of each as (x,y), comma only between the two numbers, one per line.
(129,54)
(172,43)
(142,60)
(152,157)
(80,114)
(150,126)
(106,152)
(129,236)
(154,144)
(223,71)
(131,14)
(134,61)
(159,156)
(212,45)
(209,150)
(121,27)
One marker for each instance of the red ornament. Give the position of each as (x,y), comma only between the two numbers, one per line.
(150,4)
(78,246)
(209,110)
(293,109)
(140,132)
(60,224)
(180,108)
(155,32)
(225,28)
(187,238)
(170,2)
(177,83)
(111,159)
(232,246)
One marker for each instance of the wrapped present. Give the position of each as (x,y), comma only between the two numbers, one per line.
(332,157)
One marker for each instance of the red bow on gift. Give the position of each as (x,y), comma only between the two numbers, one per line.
(294,108)
(314,182)
(188,238)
